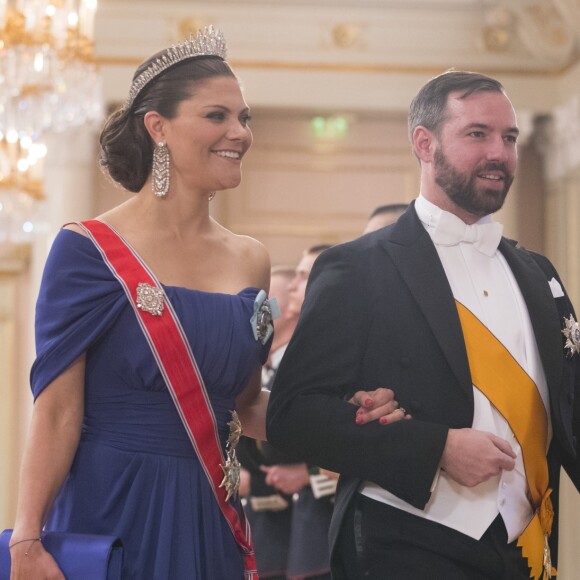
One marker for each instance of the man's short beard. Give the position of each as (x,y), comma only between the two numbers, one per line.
(461,188)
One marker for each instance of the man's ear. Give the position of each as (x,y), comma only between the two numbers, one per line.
(155,124)
(424,142)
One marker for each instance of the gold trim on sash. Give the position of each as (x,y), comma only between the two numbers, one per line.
(496,373)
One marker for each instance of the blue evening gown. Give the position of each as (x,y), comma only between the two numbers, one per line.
(135,474)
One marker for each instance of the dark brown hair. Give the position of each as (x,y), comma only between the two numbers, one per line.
(126,147)
(428,108)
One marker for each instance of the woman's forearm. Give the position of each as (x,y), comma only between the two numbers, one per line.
(50,448)
(253,416)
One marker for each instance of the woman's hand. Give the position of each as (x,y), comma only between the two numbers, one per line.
(51,444)
(30,561)
(378,405)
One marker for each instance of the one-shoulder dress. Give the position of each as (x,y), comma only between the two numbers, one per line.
(135,474)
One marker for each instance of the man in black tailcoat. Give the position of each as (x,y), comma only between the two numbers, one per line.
(479,342)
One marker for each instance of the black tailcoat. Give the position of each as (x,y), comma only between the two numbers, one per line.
(379,312)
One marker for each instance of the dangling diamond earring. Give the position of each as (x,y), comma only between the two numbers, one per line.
(211,195)
(160,169)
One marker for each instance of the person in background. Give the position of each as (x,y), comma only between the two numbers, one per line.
(269,511)
(477,338)
(384,215)
(290,503)
(284,325)
(154,301)
(308,555)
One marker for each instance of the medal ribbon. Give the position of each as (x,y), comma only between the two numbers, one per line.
(177,364)
(514,394)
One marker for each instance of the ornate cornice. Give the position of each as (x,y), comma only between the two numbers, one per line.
(547,30)
(361,67)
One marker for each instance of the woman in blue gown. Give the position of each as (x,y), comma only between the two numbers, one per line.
(107,452)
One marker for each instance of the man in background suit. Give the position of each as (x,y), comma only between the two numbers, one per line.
(384,215)
(284,325)
(268,510)
(289,524)
(478,340)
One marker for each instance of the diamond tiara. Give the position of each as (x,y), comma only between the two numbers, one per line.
(207,42)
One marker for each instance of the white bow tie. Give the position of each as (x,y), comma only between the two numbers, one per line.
(450,231)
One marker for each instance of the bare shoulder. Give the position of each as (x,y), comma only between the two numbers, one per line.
(74,227)
(121,214)
(105,217)
(255,248)
(255,257)
(112,216)
(258,260)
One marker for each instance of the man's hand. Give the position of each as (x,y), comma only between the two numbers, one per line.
(380,405)
(471,457)
(329,474)
(289,478)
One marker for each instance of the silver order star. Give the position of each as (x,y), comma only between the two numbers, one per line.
(235,426)
(572,333)
(231,480)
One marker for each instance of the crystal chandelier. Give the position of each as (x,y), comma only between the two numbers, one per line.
(48,83)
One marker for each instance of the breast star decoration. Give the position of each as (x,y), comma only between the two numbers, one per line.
(572,333)
(231,467)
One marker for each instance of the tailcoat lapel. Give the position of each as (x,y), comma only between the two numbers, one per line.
(416,258)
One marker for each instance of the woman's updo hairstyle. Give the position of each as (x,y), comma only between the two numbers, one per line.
(126,146)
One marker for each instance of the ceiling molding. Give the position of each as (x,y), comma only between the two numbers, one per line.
(353,54)
(361,67)
(499,36)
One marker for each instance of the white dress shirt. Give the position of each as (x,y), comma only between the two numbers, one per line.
(270,368)
(481,280)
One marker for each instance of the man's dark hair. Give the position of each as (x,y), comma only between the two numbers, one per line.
(389,208)
(428,108)
(318,249)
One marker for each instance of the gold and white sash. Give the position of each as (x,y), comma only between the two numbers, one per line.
(496,373)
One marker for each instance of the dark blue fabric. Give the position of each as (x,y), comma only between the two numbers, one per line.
(135,474)
(86,556)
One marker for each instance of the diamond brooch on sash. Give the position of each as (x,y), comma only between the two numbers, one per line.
(572,333)
(150,299)
(231,468)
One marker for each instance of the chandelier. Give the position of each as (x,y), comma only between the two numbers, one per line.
(48,83)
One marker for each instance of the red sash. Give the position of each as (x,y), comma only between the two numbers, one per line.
(179,369)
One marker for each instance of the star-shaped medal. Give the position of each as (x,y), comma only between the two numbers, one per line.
(235,431)
(231,480)
(572,333)
(231,468)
